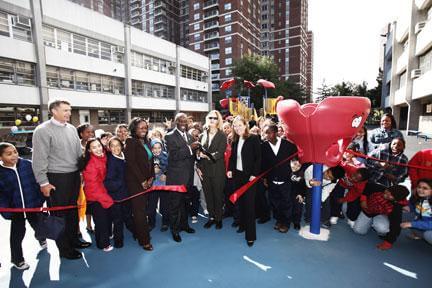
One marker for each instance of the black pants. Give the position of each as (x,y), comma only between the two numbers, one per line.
(177,209)
(117,220)
(281,202)
(153,198)
(66,193)
(230,208)
(262,206)
(139,205)
(214,195)
(246,206)
(17,234)
(336,207)
(353,209)
(192,201)
(101,218)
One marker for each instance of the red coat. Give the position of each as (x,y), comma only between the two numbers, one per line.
(94,176)
(421,158)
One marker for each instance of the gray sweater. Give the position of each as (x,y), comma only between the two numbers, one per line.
(56,149)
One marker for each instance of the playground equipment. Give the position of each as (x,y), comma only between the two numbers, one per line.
(322,131)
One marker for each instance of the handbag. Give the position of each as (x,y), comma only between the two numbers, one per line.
(49,227)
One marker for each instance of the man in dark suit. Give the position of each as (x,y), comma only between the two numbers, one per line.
(181,157)
(278,181)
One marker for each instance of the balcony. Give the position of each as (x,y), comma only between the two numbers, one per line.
(424,39)
(210,36)
(211,46)
(215,76)
(399,96)
(421,86)
(402,62)
(211,25)
(215,67)
(214,56)
(211,14)
(211,3)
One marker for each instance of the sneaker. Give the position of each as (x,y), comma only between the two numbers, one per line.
(108,248)
(334,220)
(43,244)
(22,266)
(326,225)
(350,223)
(206,212)
(194,219)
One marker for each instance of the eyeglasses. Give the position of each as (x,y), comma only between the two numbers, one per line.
(213,118)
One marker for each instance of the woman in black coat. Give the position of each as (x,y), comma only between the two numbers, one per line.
(213,172)
(244,166)
(139,176)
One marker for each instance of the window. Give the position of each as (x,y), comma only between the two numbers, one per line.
(93,48)
(95,82)
(105,51)
(196,37)
(228,28)
(107,84)
(227,6)
(48,36)
(228,40)
(81,81)
(25,73)
(196,16)
(4,24)
(228,72)
(228,61)
(425,61)
(193,95)
(196,6)
(228,18)
(118,86)
(228,50)
(17,72)
(197,46)
(196,26)
(52,77)
(7,74)
(9,114)
(64,41)
(79,44)
(22,32)
(66,79)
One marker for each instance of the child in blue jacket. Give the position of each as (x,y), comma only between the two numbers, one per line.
(18,189)
(423,212)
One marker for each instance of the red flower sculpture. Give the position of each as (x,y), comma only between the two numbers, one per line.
(323,131)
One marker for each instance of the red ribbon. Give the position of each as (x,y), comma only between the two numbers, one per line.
(239,192)
(171,188)
(392,163)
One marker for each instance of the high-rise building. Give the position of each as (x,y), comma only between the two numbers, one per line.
(117,9)
(157,17)
(224,31)
(284,36)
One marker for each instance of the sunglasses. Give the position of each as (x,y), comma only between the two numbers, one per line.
(213,118)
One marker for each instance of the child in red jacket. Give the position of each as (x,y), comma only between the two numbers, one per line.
(93,167)
(382,209)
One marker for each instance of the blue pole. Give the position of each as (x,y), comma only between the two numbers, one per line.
(316,199)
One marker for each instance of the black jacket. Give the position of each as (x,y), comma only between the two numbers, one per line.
(250,155)
(283,172)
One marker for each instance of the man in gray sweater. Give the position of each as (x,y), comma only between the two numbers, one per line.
(56,150)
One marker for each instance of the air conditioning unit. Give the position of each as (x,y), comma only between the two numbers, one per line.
(49,44)
(21,21)
(416,73)
(419,26)
(172,65)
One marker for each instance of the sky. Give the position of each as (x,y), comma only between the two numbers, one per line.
(347,38)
